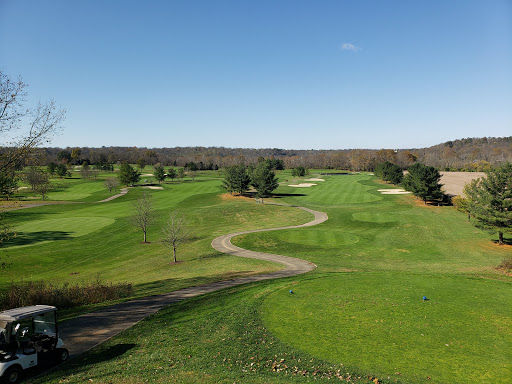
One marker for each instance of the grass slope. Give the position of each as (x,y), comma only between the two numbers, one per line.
(359,314)
(216,338)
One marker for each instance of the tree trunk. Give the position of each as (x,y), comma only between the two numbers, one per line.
(500,238)
(174,253)
(144,236)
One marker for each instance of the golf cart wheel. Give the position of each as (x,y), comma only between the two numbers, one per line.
(62,355)
(12,375)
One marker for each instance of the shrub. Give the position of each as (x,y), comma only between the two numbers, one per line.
(64,296)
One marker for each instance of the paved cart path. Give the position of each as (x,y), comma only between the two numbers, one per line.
(84,332)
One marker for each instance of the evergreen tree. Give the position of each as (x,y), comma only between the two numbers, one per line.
(387,171)
(191,166)
(299,172)
(128,175)
(236,179)
(423,182)
(263,179)
(159,173)
(52,167)
(489,200)
(61,170)
(171,174)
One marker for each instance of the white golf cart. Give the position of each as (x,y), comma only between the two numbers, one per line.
(26,335)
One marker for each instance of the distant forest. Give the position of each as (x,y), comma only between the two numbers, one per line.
(471,154)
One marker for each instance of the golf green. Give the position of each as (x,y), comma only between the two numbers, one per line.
(38,232)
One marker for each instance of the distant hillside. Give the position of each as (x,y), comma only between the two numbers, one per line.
(469,154)
(465,154)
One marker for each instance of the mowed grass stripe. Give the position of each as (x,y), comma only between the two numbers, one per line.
(333,191)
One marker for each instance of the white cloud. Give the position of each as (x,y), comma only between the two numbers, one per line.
(350,47)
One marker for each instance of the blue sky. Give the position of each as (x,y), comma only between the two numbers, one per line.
(255,74)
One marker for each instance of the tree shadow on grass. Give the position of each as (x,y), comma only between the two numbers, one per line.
(95,356)
(281,195)
(505,241)
(29,238)
(103,354)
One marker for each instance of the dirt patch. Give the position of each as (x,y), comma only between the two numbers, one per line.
(229,196)
(454,182)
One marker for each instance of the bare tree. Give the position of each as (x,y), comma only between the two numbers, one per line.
(143,215)
(192,175)
(43,186)
(175,232)
(40,123)
(111,183)
(38,180)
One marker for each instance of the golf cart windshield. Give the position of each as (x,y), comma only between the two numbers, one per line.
(45,324)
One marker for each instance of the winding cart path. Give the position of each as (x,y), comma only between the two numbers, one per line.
(84,332)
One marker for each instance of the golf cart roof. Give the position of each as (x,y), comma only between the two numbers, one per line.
(24,312)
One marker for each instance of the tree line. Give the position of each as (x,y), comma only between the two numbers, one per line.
(471,154)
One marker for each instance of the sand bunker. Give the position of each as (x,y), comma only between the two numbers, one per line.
(152,187)
(314,180)
(147,174)
(393,191)
(302,185)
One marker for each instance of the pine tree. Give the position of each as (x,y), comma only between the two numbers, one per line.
(128,175)
(171,174)
(387,171)
(159,173)
(264,180)
(236,179)
(423,182)
(489,200)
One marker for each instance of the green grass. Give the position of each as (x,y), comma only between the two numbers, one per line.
(393,250)
(360,313)
(79,242)
(77,189)
(380,322)
(216,338)
(38,232)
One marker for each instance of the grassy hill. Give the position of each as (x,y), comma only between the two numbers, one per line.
(359,316)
